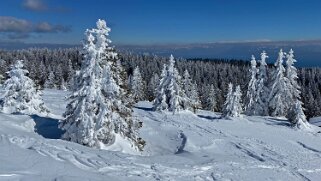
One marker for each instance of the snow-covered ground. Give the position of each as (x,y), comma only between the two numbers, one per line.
(315,121)
(184,146)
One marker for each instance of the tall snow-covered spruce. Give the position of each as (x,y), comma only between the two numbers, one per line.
(20,93)
(97,115)
(262,98)
(252,93)
(292,76)
(280,93)
(170,96)
(137,86)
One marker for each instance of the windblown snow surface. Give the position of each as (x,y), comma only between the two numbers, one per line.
(184,146)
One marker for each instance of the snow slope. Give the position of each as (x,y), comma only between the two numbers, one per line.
(315,121)
(179,147)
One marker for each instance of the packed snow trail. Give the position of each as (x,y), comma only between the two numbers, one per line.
(183,146)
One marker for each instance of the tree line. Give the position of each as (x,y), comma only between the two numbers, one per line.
(55,68)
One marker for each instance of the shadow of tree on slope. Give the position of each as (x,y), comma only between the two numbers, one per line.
(47,127)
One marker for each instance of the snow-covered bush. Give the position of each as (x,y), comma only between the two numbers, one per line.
(20,93)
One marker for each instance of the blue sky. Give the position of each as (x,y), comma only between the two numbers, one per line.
(161,21)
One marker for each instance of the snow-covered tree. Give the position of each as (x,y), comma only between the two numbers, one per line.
(190,90)
(187,83)
(237,102)
(160,101)
(211,99)
(137,86)
(292,76)
(169,94)
(280,93)
(252,93)
(50,82)
(97,115)
(228,104)
(194,98)
(63,85)
(20,93)
(262,97)
(152,88)
(297,116)
(233,103)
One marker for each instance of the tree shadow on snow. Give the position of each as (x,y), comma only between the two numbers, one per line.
(144,108)
(278,122)
(209,117)
(47,127)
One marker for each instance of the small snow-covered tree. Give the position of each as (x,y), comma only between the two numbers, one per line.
(227,108)
(97,115)
(237,102)
(160,101)
(152,88)
(187,83)
(194,98)
(280,93)
(137,86)
(20,93)
(297,116)
(169,94)
(63,85)
(211,99)
(262,97)
(252,93)
(50,82)
(190,90)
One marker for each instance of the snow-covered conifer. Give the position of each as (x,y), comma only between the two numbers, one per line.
(169,94)
(228,101)
(252,93)
(280,93)
(187,83)
(262,87)
(211,99)
(190,89)
(160,102)
(20,93)
(297,116)
(292,76)
(233,103)
(194,98)
(97,115)
(152,88)
(50,82)
(137,86)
